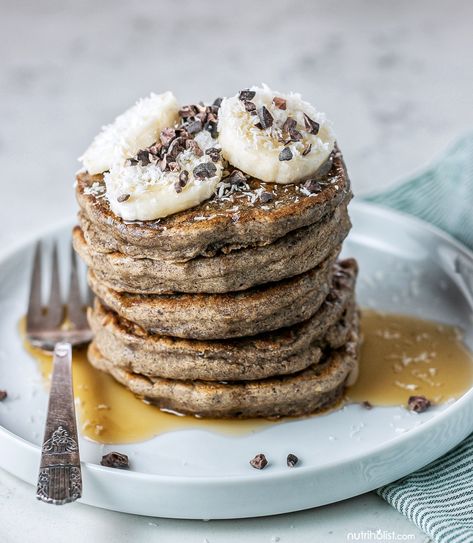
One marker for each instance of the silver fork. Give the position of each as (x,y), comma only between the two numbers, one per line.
(60,479)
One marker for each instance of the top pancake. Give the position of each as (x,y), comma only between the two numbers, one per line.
(222,223)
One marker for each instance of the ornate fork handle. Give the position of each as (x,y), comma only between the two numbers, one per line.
(60,478)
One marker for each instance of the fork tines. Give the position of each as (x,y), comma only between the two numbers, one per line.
(42,320)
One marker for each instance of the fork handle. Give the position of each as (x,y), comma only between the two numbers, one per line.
(60,479)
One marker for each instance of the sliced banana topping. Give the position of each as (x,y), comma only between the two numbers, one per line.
(179,171)
(137,128)
(272,136)
(158,159)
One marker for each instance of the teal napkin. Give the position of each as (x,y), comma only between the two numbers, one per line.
(439,497)
(442,194)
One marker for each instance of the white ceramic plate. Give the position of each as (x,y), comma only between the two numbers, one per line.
(406,266)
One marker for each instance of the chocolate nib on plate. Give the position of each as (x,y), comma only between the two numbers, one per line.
(265,117)
(285,154)
(204,170)
(280,103)
(292,460)
(419,404)
(259,461)
(311,125)
(366,405)
(3,395)
(115,460)
(246,95)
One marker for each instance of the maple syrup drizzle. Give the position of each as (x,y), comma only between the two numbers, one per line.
(401,356)
(404,356)
(110,413)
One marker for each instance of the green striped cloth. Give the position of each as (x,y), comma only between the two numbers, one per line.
(442,194)
(439,497)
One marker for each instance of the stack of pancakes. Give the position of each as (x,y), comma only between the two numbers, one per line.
(238,307)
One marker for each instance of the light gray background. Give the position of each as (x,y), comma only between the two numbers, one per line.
(395,78)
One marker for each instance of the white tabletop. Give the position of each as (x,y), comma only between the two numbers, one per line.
(393,77)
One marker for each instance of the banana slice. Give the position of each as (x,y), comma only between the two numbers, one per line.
(165,178)
(135,129)
(272,136)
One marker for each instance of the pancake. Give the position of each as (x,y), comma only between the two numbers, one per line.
(295,253)
(284,351)
(315,388)
(232,314)
(224,223)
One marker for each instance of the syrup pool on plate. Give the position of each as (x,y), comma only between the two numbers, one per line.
(110,413)
(401,356)
(404,356)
